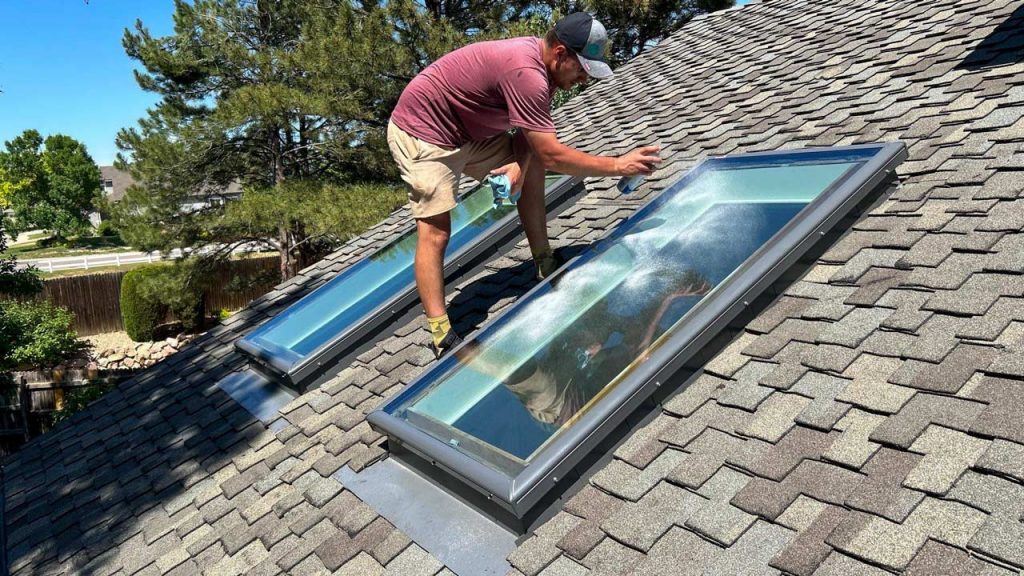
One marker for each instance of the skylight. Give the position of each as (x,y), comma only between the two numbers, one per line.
(330,320)
(522,402)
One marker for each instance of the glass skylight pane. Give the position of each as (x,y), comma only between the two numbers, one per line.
(343,302)
(529,376)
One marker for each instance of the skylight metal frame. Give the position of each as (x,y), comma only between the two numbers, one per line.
(305,369)
(519,493)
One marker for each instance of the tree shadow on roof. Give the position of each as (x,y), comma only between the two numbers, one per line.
(132,462)
(471,307)
(1004,45)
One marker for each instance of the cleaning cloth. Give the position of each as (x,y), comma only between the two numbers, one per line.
(501,188)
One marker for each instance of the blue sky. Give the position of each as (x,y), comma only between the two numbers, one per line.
(63,69)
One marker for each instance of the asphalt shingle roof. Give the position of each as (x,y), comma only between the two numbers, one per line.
(869,421)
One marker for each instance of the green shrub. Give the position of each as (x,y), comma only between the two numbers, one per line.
(37,333)
(151,291)
(141,310)
(51,241)
(178,288)
(106,228)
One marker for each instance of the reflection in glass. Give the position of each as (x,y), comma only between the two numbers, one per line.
(530,375)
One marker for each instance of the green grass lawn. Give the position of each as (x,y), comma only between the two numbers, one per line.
(77,247)
(126,267)
(90,270)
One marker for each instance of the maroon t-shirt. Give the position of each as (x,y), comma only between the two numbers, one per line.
(477,92)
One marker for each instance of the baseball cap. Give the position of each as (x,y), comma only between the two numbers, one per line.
(585,36)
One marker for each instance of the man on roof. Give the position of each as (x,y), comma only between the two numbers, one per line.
(455,117)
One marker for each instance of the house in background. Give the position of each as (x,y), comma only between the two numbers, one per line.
(115,183)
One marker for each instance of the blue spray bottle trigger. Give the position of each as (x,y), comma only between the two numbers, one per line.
(501,189)
(629,183)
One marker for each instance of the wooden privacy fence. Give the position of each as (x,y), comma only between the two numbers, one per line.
(27,409)
(95,299)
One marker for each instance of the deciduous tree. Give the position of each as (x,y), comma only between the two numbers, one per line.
(52,184)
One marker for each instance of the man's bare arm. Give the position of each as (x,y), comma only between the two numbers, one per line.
(558,157)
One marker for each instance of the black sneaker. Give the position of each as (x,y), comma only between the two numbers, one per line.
(451,340)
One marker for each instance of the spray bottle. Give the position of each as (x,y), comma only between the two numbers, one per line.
(629,183)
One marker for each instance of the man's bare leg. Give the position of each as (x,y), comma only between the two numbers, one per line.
(532,209)
(432,234)
(533,212)
(534,216)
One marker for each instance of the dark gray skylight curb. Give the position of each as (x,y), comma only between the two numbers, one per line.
(520,493)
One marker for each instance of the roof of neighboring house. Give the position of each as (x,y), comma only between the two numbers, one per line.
(869,421)
(121,180)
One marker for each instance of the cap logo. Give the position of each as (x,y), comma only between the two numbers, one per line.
(592,50)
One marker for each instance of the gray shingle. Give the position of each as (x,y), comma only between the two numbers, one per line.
(882,491)
(902,428)
(640,524)
(414,561)
(808,550)
(936,558)
(821,481)
(837,564)
(535,553)
(611,557)
(823,411)
(592,504)
(1002,417)
(723,418)
(768,345)
(681,552)
(783,308)
(744,392)
(853,447)
(625,481)
(1001,534)
(895,545)
(718,520)
(581,540)
(1003,457)
(949,375)
(797,445)
(947,454)
(931,74)
(775,416)
(830,358)
(870,388)
(853,328)
(709,451)
(563,566)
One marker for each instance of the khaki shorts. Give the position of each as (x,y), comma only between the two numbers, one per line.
(433,172)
